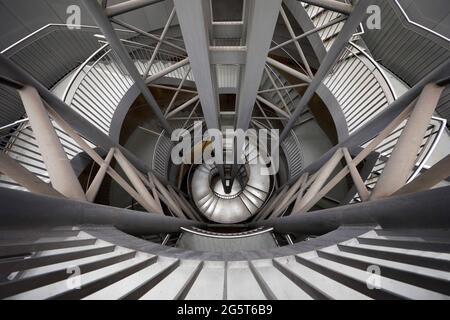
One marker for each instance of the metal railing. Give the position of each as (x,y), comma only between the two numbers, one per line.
(409,43)
(100,84)
(360,86)
(19,143)
(97,84)
(48,54)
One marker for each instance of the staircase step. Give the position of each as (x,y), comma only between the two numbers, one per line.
(242,284)
(137,284)
(53,256)
(90,282)
(439,261)
(210,283)
(407,244)
(178,285)
(18,248)
(314,283)
(43,276)
(434,282)
(281,287)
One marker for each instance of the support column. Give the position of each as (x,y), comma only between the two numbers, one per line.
(103,23)
(195,20)
(262,18)
(406,211)
(403,158)
(25,178)
(427,180)
(58,166)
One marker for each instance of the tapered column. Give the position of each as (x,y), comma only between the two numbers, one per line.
(58,166)
(25,178)
(427,180)
(403,158)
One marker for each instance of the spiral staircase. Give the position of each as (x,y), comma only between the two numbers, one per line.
(317,229)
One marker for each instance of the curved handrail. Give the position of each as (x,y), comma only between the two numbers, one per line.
(39,31)
(80,69)
(241,235)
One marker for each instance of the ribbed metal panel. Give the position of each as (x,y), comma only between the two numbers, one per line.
(409,51)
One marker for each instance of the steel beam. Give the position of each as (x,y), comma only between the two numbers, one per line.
(289,70)
(430,178)
(141,32)
(25,178)
(404,156)
(195,22)
(261,21)
(357,180)
(332,5)
(376,125)
(128,6)
(59,169)
(159,44)
(182,107)
(94,188)
(328,62)
(104,24)
(427,209)
(308,33)
(24,209)
(166,71)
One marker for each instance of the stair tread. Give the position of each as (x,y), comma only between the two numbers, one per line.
(210,283)
(49,257)
(67,264)
(281,286)
(445,257)
(123,287)
(55,289)
(320,282)
(398,288)
(170,288)
(241,283)
(432,273)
